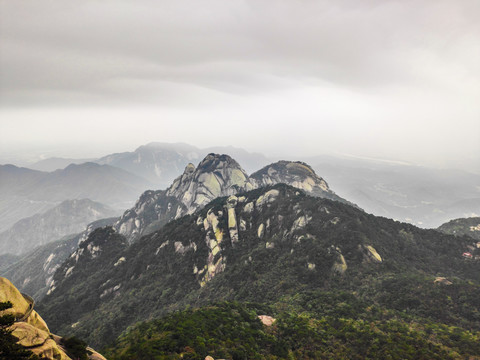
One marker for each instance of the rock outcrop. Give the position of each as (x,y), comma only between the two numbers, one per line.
(30,329)
(215,176)
(296,174)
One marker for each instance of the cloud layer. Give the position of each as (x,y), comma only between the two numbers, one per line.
(379,68)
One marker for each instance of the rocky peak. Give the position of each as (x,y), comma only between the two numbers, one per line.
(216,175)
(296,174)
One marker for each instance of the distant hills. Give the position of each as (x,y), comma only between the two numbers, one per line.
(69,217)
(465,226)
(419,195)
(56,163)
(25,192)
(33,272)
(160,163)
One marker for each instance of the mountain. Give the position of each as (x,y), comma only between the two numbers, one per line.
(55,163)
(32,332)
(296,174)
(464,226)
(101,183)
(34,271)
(419,195)
(250,161)
(13,205)
(157,162)
(215,176)
(160,163)
(25,192)
(278,247)
(69,217)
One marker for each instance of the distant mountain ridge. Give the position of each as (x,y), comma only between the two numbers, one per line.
(33,272)
(56,163)
(161,163)
(69,217)
(418,195)
(25,192)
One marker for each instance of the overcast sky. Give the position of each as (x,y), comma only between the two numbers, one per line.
(377,78)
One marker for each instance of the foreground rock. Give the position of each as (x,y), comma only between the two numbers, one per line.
(30,329)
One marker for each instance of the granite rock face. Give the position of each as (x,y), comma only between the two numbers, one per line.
(30,329)
(296,174)
(215,176)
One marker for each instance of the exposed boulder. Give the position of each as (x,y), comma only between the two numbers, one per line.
(442,281)
(371,255)
(340,265)
(266,320)
(30,329)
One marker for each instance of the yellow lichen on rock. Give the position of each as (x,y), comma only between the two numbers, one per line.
(10,293)
(36,320)
(29,335)
(268,197)
(50,350)
(30,329)
(266,320)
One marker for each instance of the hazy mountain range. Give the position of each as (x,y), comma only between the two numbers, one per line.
(422,196)
(69,217)
(25,192)
(219,234)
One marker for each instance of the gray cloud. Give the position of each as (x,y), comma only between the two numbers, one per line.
(84,48)
(395,77)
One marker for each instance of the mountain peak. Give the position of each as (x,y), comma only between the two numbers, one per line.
(213,161)
(216,175)
(296,173)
